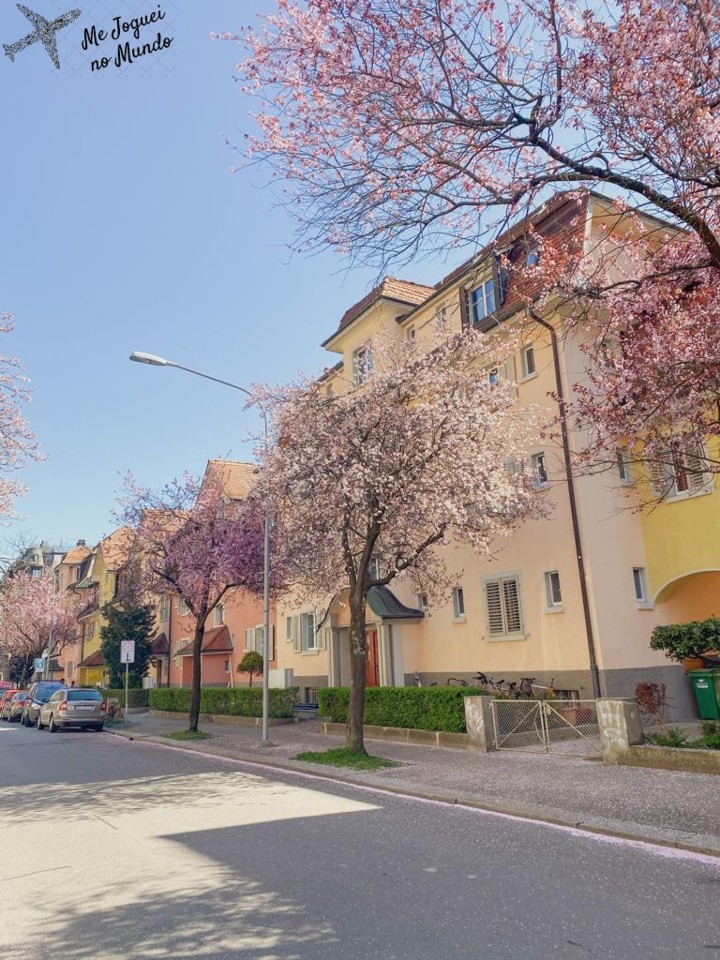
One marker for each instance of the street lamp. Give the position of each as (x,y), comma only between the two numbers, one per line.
(155,361)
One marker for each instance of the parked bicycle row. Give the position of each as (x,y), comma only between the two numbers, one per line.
(52,706)
(526,688)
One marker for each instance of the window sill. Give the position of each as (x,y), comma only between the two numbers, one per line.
(526,377)
(557,609)
(645,605)
(459,619)
(509,637)
(309,653)
(687,495)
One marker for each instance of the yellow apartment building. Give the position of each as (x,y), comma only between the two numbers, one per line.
(571,600)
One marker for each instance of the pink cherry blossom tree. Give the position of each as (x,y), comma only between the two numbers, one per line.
(369,485)
(396,128)
(34,616)
(17,443)
(195,544)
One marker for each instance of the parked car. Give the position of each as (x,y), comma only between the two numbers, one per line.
(13,708)
(5,697)
(74,707)
(38,694)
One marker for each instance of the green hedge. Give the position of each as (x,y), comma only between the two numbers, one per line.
(236,702)
(420,708)
(136,698)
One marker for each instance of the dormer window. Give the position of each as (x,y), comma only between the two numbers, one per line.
(482,301)
(532,256)
(362,365)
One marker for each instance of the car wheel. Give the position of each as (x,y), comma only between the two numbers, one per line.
(38,724)
(25,720)
(51,725)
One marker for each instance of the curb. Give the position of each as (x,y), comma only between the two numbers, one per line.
(619,830)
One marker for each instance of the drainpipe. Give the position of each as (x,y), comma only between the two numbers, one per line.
(594,672)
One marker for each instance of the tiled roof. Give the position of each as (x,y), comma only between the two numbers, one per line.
(236,477)
(94,660)
(404,291)
(76,555)
(116,548)
(217,640)
(159,645)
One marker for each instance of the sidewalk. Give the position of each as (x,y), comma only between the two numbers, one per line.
(657,806)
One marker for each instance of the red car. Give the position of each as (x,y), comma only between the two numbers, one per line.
(5,698)
(12,709)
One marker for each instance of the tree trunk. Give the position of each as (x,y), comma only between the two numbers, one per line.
(354,739)
(196,687)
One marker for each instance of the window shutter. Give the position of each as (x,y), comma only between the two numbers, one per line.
(657,475)
(512,605)
(696,476)
(297,634)
(509,373)
(324,638)
(464,305)
(271,645)
(289,634)
(496,627)
(247,642)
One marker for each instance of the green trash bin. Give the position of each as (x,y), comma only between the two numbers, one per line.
(706,684)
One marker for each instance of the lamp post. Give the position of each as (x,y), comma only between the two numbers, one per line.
(155,361)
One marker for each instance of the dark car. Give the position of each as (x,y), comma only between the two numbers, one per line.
(12,709)
(38,694)
(76,707)
(5,697)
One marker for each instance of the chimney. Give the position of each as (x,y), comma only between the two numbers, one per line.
(80,543)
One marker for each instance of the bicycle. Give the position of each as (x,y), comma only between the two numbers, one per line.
(527,688)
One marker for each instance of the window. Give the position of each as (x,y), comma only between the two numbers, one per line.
(301,630)
(164,609)
(681,475)
(90,629)
(307,631)
(183,608)
(640,583)
(538,469)
(329,392)
(532,257)
(227,666)
(623,465)
(441,318)
(458,599)
(527,357)
(422,601)
(504,614)
(553,593)
(410,335)
(482,301)
(493,375)
(218,615)
(362,365)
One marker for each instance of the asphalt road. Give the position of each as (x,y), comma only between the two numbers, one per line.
(118,849)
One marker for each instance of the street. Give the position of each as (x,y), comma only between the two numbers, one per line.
(118,849)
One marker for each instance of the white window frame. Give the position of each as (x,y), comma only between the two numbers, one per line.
(422,601)
(362,363)
(309,639)
(527,362)
(641,588)
(458,603)
(553,592)
(183,609)
(219,615)
(666,478)
(482,298)
(539,471)
(441,318)
(506,618)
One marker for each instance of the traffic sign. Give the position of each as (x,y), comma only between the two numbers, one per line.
(127,651)
(39,664)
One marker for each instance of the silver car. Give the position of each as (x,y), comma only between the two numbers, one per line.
(73,707)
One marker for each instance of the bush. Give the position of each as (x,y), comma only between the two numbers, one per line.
(681,640)
(420,708)
(226,701)
(136,698)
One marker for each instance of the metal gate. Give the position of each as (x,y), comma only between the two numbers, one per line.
(567,727)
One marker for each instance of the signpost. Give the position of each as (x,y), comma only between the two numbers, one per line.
(40,665)
(127,656)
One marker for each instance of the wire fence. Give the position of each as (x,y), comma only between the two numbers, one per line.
(547,726)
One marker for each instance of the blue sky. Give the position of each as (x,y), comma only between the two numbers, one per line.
(125,230)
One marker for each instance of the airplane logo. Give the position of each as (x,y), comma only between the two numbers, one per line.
(44,32)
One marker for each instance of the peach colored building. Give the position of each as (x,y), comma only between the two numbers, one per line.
(571,599)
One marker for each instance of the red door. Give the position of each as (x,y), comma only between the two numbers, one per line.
(372,676)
